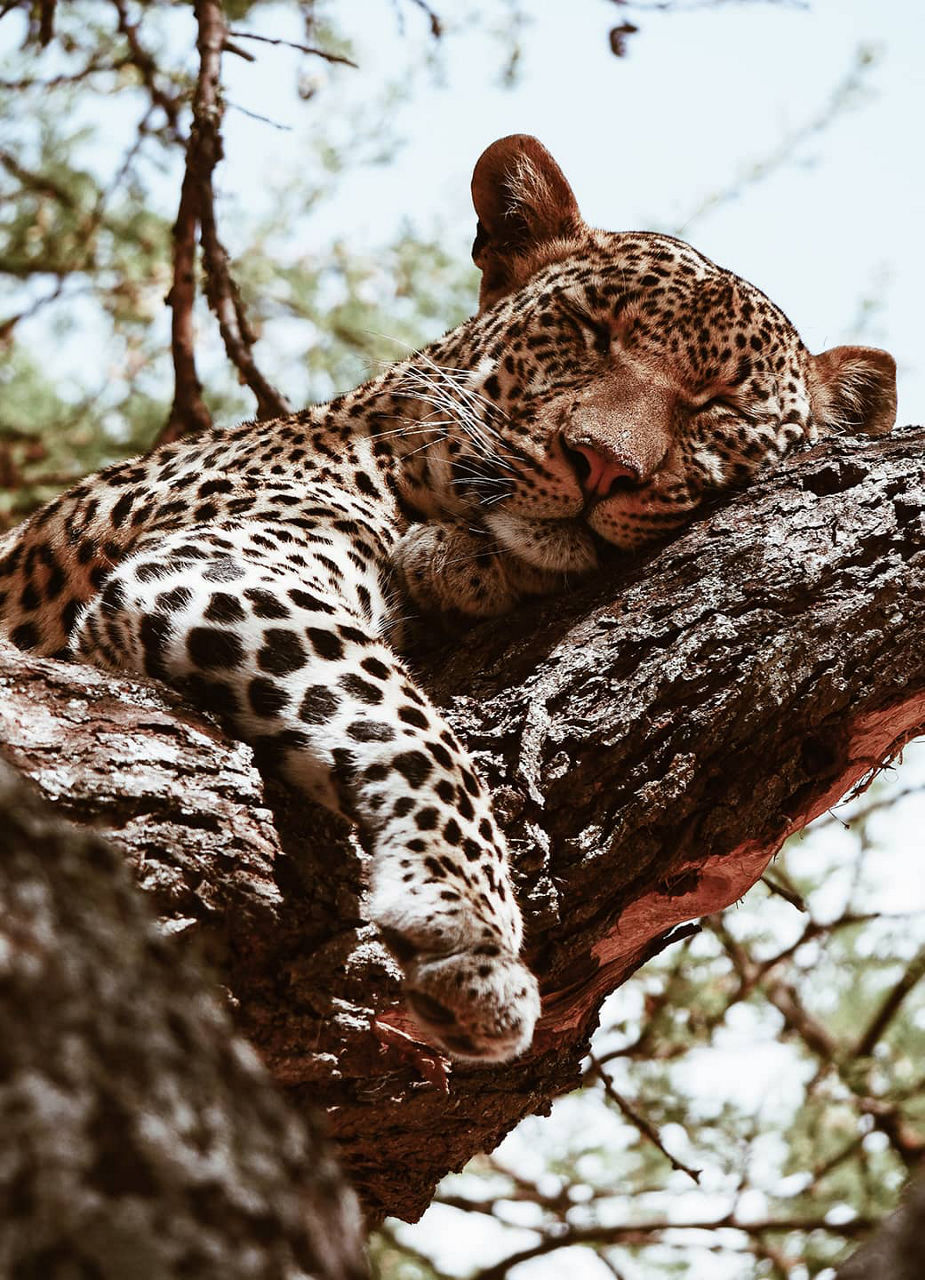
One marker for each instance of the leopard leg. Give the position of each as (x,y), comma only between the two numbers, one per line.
(302,676)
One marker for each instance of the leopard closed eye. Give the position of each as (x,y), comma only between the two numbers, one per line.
(608,384)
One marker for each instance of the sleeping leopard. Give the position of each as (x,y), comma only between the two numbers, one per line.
(609,383)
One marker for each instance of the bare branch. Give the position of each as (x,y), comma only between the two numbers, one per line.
(878,1024)
(292,44)
(255,115)
(205,151)
(786,891)
(640,1122)
(46,22)
(640,1233)
(93,67)
(188,413)
(148,69)
(39,183)
(436,26)
(197,206)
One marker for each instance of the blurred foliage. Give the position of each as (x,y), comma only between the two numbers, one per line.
(91,159)
(777,1056)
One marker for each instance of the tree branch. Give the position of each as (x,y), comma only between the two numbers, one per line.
(915,971)
(146,65)
(205,151)
(640,1122)
(188,413)
(292,44)
(640,1233)
(650,739)
(197,208)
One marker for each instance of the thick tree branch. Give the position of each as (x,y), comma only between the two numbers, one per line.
(650,740)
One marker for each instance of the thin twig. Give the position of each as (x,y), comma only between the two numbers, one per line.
(879,803)
(436,26)
(148,69)
(92,68)
(640,1122)
(230,47)
(40,183)
(255,115)
(293,44)
(786,892)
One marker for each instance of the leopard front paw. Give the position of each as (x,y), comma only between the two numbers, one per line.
(448,567)
(479,1005)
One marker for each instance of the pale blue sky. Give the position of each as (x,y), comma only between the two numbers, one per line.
(646,139)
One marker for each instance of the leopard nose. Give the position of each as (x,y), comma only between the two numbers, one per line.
(600,473)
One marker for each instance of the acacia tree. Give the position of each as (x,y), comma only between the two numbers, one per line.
(650,742)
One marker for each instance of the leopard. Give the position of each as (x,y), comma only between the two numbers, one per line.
(608,386)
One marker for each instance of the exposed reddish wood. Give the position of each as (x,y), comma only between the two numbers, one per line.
(720,881)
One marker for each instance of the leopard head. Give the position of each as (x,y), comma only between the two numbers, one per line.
(623,377)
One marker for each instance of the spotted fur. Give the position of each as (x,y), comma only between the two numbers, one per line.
(609,383)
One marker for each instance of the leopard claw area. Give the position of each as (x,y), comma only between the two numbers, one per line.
(478,1007)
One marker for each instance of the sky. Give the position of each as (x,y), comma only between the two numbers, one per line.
(833,236)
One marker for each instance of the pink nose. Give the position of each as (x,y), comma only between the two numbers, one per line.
(598,473)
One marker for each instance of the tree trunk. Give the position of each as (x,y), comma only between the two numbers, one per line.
(651,741)
(141,1136)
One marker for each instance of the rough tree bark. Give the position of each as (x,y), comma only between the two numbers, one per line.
(651,741)
(141,1136)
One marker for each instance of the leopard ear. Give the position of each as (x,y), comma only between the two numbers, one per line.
(854,390)
(527,214)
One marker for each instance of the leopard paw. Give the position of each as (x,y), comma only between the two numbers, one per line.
(479,1005)
(447,567)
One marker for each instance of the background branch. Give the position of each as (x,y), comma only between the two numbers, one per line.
(197,208)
